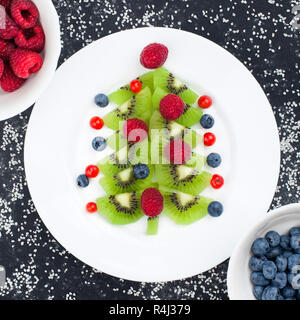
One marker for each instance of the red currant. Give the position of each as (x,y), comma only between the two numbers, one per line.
(217,181)
(91,171)
(96,123)
(205,102)
(135,86)
(209,139)
(91,207)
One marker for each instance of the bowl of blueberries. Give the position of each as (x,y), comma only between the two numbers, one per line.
(265,264)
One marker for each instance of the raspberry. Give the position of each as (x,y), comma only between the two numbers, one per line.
(9,82)
(5,3)
(154,55)
(1,67)
(178,151)
(171,107)
(152,202)
(31,39)
(135,130)
(10,30)
(24,62)
(25,13)
(6,49)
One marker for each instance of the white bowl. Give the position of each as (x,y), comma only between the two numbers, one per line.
(18,101)
(238,277)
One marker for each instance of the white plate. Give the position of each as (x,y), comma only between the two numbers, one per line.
(238,277)
(58,148)
(16,102)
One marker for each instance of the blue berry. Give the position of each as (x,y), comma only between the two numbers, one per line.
(294,231)
(256,263)
(273,238)
(258,279)
(280,297)
(285,242)
(287,253)
(99,143)
(288,292)
(295,242)
(298,294)
(82,181)
(269,270)
(214,160)
(207,121)
(260,247)
(270,293)
(280,280)
(297,251)
(258,291)
(281,263)
(215,209)
(101,100)
(293,260)
(274,252)
(141,171)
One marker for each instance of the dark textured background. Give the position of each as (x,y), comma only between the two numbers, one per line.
(257,32)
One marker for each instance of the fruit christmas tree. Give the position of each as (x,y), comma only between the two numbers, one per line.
(153,168)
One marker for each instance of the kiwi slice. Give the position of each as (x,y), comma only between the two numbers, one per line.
(158,94)
(139,106)
(124,93)
(184,208)
(174,130)
(125,181)
(164,79)
(183,178)
(152,226)
(121,208)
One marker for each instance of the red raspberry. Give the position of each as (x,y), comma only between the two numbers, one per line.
(152,202)
(24,62)
(5,3)
(171,107)
(10,30)
(9,82)
(135,130)
(6,49)
(178,151)
(1,67)
(154,55)
(25,13)
(31,39)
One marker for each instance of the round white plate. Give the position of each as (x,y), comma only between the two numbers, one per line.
(58,148)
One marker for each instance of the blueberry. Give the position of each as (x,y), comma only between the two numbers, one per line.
(293,279)
(258,279)
(215,209)
(287,253)
(270,293)
(274,252)
(141,171)
(295,242)
(294,231)
(280,280)
(288,292)
(101,100)
(273,238)
(256,263)
(297,251)
(260,247)
(293,260)
(99,143)
(207,121)
(269,270)
(280,297)
(281,263)
(258,291)
(214,160)
(298,294)
(285,242)
(83,181)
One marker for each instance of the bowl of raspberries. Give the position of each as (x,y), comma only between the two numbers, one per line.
(29,52)
(265,265)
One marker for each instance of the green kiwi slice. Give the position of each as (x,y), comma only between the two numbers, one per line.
(120,209)
(152,226)
(183,178)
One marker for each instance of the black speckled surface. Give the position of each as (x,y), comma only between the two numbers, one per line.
(257,32)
